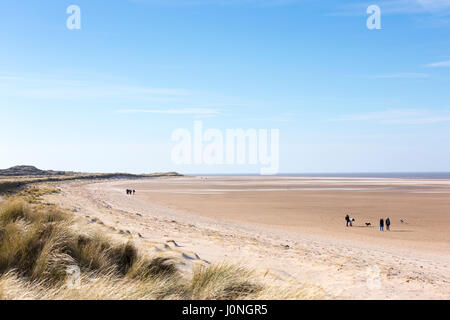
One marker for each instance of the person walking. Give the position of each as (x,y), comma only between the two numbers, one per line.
(388,224)
(381,224)
(347,219)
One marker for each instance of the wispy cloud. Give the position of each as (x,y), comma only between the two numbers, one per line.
(255,3)
(437,7)
(123,94)
(280,117)
(439,64)
(399,116)
(64,88)
(400,75)
(185,111)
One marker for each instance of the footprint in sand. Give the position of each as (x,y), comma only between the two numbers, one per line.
(174,243)
(190,257)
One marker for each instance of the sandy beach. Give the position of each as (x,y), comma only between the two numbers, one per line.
(291,228)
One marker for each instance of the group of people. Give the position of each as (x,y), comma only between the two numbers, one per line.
(387,222)
(131,191)
(349,220)
(383,222)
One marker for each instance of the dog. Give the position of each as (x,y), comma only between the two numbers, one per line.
(368,224)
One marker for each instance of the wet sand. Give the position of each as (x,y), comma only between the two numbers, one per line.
(316,206)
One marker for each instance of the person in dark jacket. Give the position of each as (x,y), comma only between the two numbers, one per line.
(381,224)
(347,219)
(388,224)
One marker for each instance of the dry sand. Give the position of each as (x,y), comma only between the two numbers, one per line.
(292,229)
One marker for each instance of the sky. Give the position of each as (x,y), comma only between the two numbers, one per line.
(107,97)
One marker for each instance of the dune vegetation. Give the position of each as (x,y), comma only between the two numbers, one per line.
(39,246)
(10,184)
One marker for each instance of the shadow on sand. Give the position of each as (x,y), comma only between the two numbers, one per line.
(371,227)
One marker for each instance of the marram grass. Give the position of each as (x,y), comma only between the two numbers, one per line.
(38,244)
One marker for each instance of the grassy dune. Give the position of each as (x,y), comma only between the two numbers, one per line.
(39,244)
(10,184)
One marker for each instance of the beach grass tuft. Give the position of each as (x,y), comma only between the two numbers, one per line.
(38,244)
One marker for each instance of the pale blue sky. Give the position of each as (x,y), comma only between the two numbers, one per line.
(345,98)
